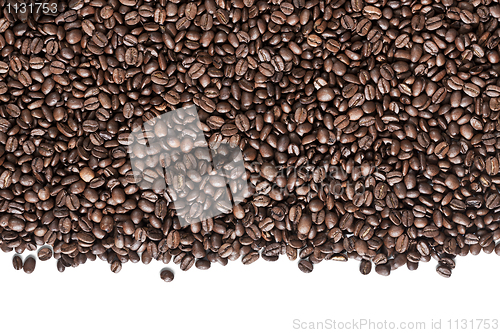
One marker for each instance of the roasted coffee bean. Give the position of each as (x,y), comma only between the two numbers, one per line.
(116,266)
(305,266)
(99,39)
(325,94)
(384,270)
(250,258)
(17,262)
(29,265)
(159,78)
(202,264)
(365,267)
(45,254)
(167,275)
(443,270)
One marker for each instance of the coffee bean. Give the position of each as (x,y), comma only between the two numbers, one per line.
(60,266)
(116,266)
(17,262)
(333,46)
(88,27)
(4,67)
(250,258)
(325,94)
(433,23)
(202,264)
(384,270)
(90,125)
(131,56)
(196,71)
(45,254)
(29,265)
(187,262)
(305,266)
(372,13)
(365,267)
(99,39)
(166,275)
(443,270)
(471,89)
(159,78)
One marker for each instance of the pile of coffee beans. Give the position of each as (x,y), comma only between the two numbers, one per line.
(369,130)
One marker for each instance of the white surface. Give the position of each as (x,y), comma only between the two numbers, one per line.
(263,297)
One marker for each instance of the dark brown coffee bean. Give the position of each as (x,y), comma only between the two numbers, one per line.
(17,262)
(325,94)
(202,264)
(305,266)
(116,266)
(372,13)
(88,27)
(384,270)
(365,267)
(29,265)
(4,67)
(159,78)
(45,254)
(250,258)
(99,39)
(443,270)
(167,275)
(131,56)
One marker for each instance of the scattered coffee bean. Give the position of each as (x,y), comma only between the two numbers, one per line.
(17,262)
(29,265)
(166,275)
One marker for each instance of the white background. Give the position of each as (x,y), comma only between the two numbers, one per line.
(262,297)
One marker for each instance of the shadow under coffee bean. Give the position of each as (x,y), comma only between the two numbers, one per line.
(368,131)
